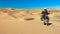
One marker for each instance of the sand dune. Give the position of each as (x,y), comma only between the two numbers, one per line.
(13,22)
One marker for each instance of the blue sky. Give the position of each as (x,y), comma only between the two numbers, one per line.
(29,3)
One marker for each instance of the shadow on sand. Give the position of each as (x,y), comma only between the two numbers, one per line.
(29,19)
(48,24)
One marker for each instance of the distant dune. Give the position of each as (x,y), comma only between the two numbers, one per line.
(13,21)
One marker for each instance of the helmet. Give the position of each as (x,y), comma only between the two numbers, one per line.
(45,8)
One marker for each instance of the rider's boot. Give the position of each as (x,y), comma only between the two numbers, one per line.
(41,19)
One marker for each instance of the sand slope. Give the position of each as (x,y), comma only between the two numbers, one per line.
(14,23)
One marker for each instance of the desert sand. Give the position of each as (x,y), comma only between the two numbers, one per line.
(14,21)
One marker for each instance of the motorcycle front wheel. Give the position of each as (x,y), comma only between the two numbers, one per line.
(46,22)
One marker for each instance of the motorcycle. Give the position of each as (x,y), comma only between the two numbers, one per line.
(46,20)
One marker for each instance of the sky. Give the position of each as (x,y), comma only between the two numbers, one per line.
(30,4)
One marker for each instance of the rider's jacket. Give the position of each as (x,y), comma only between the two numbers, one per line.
(44,13)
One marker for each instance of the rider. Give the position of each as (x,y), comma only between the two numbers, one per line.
(44,13)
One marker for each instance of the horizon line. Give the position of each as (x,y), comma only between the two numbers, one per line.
(29,8)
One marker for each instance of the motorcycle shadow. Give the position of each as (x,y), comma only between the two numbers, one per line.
(48,24)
